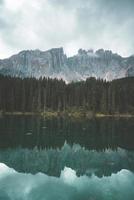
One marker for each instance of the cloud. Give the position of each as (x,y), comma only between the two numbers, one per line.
(72,24)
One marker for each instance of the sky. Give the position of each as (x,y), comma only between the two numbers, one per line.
(71,24)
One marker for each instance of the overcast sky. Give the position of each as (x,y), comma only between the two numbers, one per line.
(72,24)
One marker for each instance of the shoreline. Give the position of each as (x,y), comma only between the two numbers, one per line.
(75,115)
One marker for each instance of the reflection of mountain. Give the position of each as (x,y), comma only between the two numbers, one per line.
(31,144)
(54,63)
(96,134)
(52,161)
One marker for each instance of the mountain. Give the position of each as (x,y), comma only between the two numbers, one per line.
(55,64)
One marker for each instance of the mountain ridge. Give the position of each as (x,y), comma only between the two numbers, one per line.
(54,63)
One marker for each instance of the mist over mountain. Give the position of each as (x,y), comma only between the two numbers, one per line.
(54,63)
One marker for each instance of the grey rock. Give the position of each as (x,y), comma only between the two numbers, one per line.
(55,64)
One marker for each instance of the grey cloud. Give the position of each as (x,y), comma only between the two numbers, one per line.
(113,8)
(72,24)
(70,4)
(1,2)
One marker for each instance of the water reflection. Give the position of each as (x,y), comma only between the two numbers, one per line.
(99,134)
(84,162)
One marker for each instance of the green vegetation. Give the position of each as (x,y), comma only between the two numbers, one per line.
(74,115)
(52,97)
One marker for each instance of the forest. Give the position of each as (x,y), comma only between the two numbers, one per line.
(45,94)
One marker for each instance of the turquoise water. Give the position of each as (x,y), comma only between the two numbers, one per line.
(63,159)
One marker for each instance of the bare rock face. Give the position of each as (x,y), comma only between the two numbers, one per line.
(55,64)
(34,63)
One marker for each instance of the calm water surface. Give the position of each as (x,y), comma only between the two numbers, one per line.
(66,159)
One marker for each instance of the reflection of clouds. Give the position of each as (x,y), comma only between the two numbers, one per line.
(15,185)
(71,24)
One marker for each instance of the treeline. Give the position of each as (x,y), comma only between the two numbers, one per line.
(32,95)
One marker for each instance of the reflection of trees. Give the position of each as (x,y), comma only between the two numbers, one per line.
(52,161)
(92,134)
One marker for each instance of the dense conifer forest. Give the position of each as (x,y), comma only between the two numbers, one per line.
(96,96)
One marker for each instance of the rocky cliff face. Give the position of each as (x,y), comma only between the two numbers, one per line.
(55,64)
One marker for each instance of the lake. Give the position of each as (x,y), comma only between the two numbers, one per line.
(66,159)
